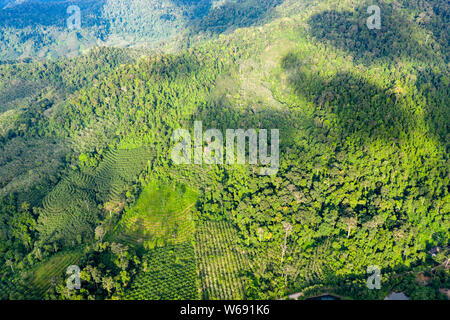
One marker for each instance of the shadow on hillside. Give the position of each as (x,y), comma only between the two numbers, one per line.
(366,111)
(397,38)
(360,107)
(233,15)
(223,115)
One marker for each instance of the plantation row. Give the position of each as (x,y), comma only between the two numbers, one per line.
(219,261)
(70,210)
(36,283)
(117,170)
(176,228)
(167,273)
(52,271)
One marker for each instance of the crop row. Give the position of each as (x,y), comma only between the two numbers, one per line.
(219,261)
(170,275)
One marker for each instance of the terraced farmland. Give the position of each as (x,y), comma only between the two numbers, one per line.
(219,261)
(70,210)
(160,216)
(117,170)
(169,274)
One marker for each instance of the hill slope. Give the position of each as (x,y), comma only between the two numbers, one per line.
(364,173)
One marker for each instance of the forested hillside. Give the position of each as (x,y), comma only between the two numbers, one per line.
(37,29)
(85,151)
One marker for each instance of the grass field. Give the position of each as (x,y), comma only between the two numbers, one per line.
(52,270)
(161,215)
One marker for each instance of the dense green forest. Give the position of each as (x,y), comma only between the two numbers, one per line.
(87,179)
(39,28)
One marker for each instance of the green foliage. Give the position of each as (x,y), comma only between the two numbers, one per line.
(161,215)
(70,211)
(220,261)
(166,273)
(46,275)
(363,177)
